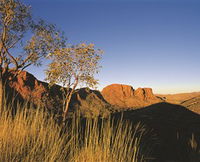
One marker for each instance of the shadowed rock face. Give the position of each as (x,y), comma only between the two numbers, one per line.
(90,103)
(125,96)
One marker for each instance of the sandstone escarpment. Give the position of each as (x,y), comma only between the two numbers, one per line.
(126,97)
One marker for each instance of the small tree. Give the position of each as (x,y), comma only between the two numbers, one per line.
(16,27)
(74,65)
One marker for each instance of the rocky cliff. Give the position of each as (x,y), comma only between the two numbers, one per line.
(125,96)
(25,87)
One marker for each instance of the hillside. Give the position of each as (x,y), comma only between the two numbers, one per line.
(25,87)
(179,97)
(173,126)
(189,100)
(192,104)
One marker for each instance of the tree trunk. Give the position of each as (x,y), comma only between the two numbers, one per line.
(67,105)
(68,99)
(1,94)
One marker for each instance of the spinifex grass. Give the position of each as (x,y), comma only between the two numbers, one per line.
(106,141)
(31,135)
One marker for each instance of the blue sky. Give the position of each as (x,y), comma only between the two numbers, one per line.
(146,43)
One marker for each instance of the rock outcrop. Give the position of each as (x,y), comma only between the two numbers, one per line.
(124,96)
(28,87)
(90,103)
(25,87)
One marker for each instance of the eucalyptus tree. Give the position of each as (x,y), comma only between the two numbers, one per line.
(24,41)
(74,66)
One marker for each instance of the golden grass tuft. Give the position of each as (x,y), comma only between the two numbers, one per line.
(31,135)
(194,149)
(108,142)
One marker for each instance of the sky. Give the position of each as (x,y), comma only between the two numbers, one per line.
(146,43)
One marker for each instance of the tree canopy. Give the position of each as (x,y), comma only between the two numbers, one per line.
(73,65)
(18,29)
(24,41)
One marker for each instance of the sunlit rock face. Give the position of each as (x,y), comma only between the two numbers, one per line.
(125,96)
(26,87)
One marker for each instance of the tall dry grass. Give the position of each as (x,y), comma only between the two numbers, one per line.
(194,149)
(108,141)
(30,135)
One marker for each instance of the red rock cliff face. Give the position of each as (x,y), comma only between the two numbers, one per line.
(125,96)
(117,91)
(145,94)
(26,87)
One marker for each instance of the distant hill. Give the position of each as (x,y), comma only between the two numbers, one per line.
(189,100)
(179,97)
(124,96)
(192,104)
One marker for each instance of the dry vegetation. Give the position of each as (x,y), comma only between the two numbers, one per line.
(194,149)
(31,135)
(107,142)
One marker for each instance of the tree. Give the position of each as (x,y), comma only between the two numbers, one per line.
(73,65)
(16,26)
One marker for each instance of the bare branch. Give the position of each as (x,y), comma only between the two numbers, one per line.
(26,66)
(12,58)
(25,60)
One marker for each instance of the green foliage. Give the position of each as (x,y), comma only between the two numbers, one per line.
(18,29)
(71,66)
(74,63)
